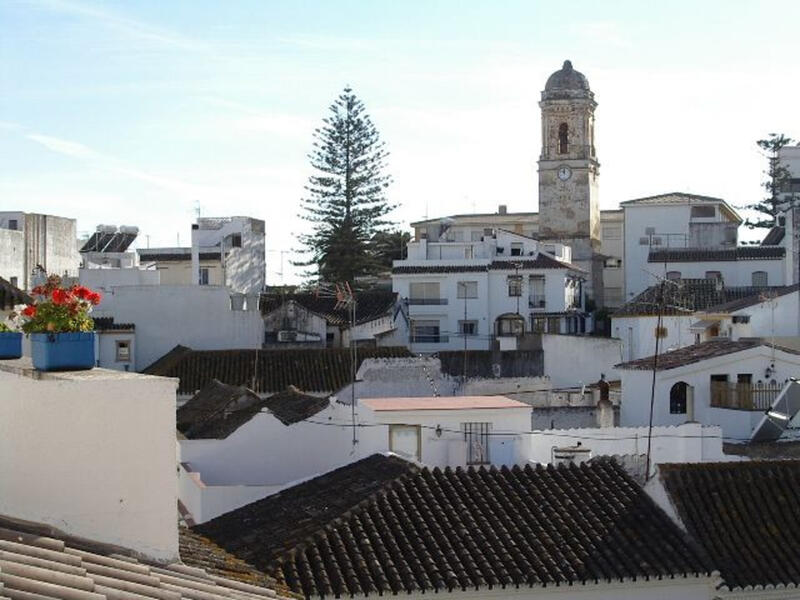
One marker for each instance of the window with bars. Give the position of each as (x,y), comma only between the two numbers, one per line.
(477,437)
(515,285)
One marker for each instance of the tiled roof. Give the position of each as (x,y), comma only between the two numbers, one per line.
(217,411)
(36,566)
(672,198)
(175,256)
(108,324)
(686,296)
(369,305)
(11,295)
(292,406)
(774,236)
(745,514)
(443,403)
(542,261)
(266,371)
(762,295)
(690,354)
(382,525)
(679,255)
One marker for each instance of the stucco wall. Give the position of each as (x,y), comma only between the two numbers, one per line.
(637,334)
(106,279)
(196,316)
(12,255)
(571,360)
(93,454)
(107,350)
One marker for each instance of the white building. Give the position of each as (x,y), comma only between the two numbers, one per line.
(30,242)
(470,289)
(226,251)
(723,382)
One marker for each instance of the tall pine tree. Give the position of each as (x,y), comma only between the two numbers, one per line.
(775,184)
(346,197)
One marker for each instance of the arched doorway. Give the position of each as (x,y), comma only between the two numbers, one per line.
(677,398)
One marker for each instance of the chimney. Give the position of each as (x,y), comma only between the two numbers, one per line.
(502,209)
(195,254)
(91,453)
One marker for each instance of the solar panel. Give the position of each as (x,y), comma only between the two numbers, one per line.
(776,420)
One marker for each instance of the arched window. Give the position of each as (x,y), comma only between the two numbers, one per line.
(677,398)
(563,139)
(510,324)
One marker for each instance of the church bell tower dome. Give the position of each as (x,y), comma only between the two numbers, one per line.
(566,83)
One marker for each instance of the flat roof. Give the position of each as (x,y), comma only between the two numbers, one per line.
(442,403)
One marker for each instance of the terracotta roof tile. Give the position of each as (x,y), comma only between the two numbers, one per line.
(265,371)
(36,562)
(690,354)
(745,514)
(382,525)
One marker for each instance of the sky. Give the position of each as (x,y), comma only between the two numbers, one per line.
(144,113)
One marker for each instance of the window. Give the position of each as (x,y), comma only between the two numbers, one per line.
(475,236)
(510,325)
(677,398)
(514,286)
(673,275)
(741,319)
(644,241)
(713,275)
(203,276)
(703,212)
(13,224)
(760,278)
(467,289)
(477,437)
(537,297)
(516,248)
(719,390)
(14,281)
(468,252)
(426,332)
(123,351)
(468,327)
(425,293)
(538,324)
(612,232)
(563,138)
(613,263)
(405,440)
(236,240)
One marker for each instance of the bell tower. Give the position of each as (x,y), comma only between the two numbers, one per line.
(569,211)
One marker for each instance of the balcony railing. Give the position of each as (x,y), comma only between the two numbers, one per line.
(429,339)
(536,301)
(743,396)
(427,301)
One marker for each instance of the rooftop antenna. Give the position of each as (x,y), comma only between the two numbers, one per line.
(197,208)
(345,299)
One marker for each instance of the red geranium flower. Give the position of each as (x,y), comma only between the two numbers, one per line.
(29,311)
(94,297)
(61,296)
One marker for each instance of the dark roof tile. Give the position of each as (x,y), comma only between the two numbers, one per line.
(691,354)
(679,255)
(292,406)
(745,514)
(383,525)
(542,261)
(11,295)
(108,324)
(217,411)
(265,371)
(369,305)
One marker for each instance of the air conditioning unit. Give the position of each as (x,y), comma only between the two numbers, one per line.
(287,336)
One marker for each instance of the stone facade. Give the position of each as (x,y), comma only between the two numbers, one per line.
(568,172)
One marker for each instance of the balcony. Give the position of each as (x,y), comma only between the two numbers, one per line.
(743,396)
(427,301)
(537,301)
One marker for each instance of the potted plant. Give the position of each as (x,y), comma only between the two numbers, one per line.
(59,325)
(10,342)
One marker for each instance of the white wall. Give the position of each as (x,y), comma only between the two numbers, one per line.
(106,351)
(104,279)
(196,316)
(637,334)
(690,442)
(12,255)
(777,316)
(571,360)
(91,453)
(737,425)
(734,272)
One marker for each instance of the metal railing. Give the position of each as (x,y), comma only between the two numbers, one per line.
(537,301)
(743,396)
(427,301)
(429,339)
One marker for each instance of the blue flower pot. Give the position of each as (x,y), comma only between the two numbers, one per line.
(62,351)
(10,344)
